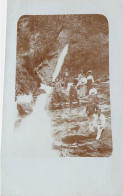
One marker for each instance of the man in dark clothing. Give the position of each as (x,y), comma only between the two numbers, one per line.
(73,95)
(91,108)
(58,91)
(57,96)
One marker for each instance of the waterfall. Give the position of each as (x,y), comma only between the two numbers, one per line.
(34,135)
(60,62)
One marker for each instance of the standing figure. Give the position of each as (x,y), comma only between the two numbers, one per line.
(73,95)
(57,93)
(82,84)
(79,81)
(66,75)
(99,123)
(90,81)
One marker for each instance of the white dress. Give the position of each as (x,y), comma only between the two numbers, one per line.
(83,87)
(99,125)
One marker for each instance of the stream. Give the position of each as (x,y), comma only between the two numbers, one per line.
(61,132)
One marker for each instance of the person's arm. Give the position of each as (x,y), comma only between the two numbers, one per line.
(95,121)
(70,92)
(96,108)
(85,80)
(78,83)
(87,110)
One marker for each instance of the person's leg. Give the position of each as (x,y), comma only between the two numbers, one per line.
(83,92)
(78,102)
(91,126)
(87,89)
(70,103)
(99,131)
(80,91)
(60,98)
(76,99)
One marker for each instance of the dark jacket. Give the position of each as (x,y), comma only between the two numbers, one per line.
(91,108)
(73,92)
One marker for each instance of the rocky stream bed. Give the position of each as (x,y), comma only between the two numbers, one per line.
(70,132)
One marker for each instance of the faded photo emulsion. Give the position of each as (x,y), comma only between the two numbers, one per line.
(62,91)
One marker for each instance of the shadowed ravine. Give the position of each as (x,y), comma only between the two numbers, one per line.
(59,131)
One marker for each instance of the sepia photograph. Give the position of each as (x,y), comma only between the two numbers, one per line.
(62,90)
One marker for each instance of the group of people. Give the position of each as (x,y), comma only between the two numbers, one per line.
(85,83)
(96,120)
(83,86)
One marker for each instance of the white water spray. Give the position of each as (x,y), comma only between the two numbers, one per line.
(33,137)
(60,62)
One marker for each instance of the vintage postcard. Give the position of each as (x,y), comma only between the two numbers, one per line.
(62,118)
(62,90)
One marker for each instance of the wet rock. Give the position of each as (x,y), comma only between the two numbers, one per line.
(76,128)
(24,109)
(71,134)
(70,139)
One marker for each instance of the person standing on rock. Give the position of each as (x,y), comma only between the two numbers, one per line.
(79,81)
(90,81)
(91,110)
(73,94)
(66,75)
(82,84)
(57,92)
(99,123)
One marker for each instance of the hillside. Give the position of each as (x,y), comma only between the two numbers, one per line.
(40,40)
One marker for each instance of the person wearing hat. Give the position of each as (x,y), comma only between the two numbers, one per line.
(73,94)
(93,95)
(90,81)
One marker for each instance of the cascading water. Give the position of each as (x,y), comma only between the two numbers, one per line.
(60,62)
(33,136)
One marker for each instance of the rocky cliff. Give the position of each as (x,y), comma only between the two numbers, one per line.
(40,39)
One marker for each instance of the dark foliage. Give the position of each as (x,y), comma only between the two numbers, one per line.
(38,37)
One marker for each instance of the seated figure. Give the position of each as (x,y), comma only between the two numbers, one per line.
(99,123)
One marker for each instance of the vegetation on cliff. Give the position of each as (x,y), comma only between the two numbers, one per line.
(40,40)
